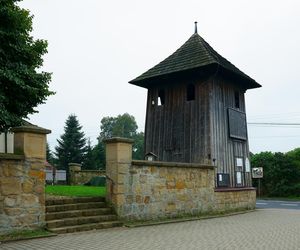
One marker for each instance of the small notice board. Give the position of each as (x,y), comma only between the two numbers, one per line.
(257,173)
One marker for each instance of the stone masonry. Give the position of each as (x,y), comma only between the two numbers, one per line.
(80,177)
(150,190)
(22,181)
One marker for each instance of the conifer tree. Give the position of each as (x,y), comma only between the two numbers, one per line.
(92,160)
(71,145)
(49,155)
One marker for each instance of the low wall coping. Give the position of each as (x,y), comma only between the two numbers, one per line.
(171,164)
(234,189)
(74,164)
(91,171)
(118,139)
(4,156)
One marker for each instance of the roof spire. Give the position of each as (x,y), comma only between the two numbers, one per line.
(196,30)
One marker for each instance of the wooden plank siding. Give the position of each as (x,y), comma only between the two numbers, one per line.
(179,130)
(225,149)
(196,131)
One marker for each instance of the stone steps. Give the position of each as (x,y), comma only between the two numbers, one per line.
(69,200)
(86,227)
(80,220)
(79,214)
(75,206)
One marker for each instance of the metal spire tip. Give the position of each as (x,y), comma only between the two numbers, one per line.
(196,29)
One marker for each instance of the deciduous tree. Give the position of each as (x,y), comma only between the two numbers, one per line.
(123,126)
(281,173)
(22,85)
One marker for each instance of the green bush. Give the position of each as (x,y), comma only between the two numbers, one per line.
(281,173)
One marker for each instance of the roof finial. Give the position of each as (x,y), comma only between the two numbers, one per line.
(196,31)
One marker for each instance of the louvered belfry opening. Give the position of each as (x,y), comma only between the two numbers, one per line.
(202,118)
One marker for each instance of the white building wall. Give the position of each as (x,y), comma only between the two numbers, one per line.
(10,143)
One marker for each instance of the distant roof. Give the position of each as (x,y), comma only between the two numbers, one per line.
(194,54)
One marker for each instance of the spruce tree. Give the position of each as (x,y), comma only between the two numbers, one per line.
(99,154)
(90,161)
(49,155)
(71,145)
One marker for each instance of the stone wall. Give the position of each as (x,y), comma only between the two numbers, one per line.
(146,190)
(235,199)
(22,181)
(80,177)
(157,190)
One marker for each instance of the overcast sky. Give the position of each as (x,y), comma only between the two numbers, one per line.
(96,47)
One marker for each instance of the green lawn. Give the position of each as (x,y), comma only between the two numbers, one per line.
(63,190)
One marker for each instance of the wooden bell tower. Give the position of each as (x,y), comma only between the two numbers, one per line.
(196,111)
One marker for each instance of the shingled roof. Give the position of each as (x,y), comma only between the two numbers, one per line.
(194,54)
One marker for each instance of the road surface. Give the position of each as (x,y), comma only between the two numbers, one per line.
(263,229)
(277,204)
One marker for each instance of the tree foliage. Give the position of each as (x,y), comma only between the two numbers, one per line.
(98,155)
(281,172)
(123,126)
(49,155)
(120,126)
(94,157)
(22,86)
(71,145)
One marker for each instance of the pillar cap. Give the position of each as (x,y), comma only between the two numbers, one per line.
(118,139)
(31,129)
(74,164)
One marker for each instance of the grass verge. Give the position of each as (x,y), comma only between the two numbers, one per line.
(63,190)
(25,234)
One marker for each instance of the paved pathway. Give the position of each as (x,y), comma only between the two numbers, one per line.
(262,229)
(278,204)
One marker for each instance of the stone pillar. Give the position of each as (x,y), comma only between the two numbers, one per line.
(73,168)
(30,141)
(118,162)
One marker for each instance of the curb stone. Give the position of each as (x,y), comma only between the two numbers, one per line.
(150,223)
(29,238)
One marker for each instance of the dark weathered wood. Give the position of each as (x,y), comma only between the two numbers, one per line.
(226,149)
(180,129)
(197,131)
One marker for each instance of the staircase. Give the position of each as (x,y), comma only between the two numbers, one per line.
(70,215)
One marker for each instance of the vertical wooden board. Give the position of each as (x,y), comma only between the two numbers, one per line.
(149,123)
(196,120)
(166,126)
(170,125)
(186,129)
(160,131)
(223,148)
(202,107)
(192,131)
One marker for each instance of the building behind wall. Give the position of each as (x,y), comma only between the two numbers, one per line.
(6,143)
(196,111)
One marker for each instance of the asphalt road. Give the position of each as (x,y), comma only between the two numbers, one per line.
(261,204)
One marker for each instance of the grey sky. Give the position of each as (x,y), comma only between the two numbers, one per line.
(96,47)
